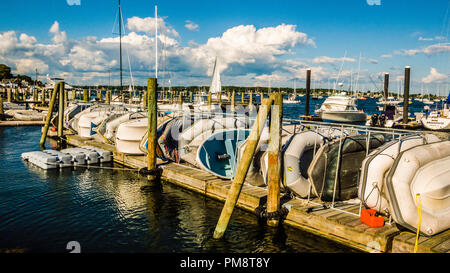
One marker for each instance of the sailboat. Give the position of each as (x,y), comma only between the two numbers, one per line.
(292,99)
(216,83)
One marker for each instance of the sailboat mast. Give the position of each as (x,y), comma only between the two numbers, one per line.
(156,41)
(120,42)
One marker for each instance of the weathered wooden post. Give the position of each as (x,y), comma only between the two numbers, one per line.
(250,101)
(386,89)
(180,98)
(8,95)
(61,110)
(35,95)
(406,95)
(242,97)
(74,94)
(85,95)
(233,101)
(152,125)
(209,99)
(1,108)
(274,159)
(242,169)
(43,96)
(308,91)
(190,96)
(145,100)
(99,95)
(49,115)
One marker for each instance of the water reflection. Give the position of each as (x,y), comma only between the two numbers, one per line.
(106,211)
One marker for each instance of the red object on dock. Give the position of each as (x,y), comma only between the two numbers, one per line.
(54,129)
(369,218)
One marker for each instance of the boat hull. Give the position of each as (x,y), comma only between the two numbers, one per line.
(343,116)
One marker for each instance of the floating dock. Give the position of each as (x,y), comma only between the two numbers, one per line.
(340,224)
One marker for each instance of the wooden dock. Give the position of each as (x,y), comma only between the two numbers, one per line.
(329,223)
(9,123)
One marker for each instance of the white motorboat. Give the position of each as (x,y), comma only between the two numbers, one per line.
(341,108)
(437,120)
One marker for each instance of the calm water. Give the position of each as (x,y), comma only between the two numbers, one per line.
(105,211)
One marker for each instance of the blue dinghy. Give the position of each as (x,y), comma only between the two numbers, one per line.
(218,153)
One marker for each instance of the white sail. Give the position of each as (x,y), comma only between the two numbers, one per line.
(216,84)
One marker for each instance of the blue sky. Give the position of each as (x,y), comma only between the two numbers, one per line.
(389,36)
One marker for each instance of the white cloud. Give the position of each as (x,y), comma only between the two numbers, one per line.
(74,2)
(59,37)
(429,50)
(372,61)
(191,25)
(330,60)
(24,66)
(147,25)
(434,76)
(386,56)
(245,52)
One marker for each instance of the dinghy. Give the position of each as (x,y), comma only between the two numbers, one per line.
(108,128)
(143,145)
(418,188)
(297,157)
(130,133)
(326,175)
(89,121)
(169,139)
(27,115)
(374,168)
(205,125)
(73,123)
(217,154)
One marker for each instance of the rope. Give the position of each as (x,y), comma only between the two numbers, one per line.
(419,210)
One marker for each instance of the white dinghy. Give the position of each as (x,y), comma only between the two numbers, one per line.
(418,187)
(374,168)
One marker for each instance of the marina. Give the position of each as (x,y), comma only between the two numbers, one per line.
(141,141)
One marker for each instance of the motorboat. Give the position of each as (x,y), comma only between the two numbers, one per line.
(341,108)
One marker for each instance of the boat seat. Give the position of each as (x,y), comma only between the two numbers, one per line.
(231,152)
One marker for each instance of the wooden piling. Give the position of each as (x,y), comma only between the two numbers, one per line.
(308,91)
(49,115)
(274,159)
(85,95)
(145,100)
(406,95)
(242,169)
(61,110)
(8,94)
(151,154)
(43,96)
(2,112)
(386,89)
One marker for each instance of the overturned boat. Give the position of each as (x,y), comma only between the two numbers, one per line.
(218,153)
(374,168)
(418,188)
(108,128)
(334,170)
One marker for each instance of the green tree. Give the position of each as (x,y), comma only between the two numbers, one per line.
(5,72)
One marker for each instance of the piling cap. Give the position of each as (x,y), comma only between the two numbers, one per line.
(408,66)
